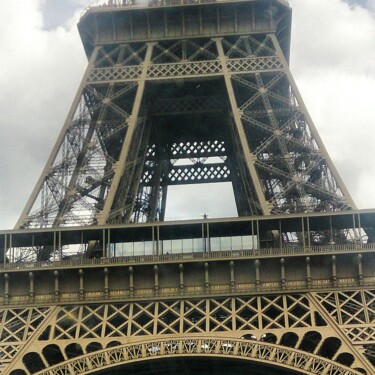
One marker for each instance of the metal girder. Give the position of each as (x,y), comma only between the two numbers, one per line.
(298,331)
(275,158)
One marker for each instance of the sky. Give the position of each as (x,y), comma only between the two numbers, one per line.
(42,62)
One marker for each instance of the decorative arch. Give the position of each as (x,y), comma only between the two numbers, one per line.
(262,352)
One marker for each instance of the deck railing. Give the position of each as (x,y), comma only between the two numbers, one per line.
(153,3)
(255,253)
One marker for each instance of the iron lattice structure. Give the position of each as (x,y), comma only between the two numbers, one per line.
(94,280)
(173,95)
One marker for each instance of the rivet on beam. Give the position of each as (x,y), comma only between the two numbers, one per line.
(156,282)
(6,288)
(360,269)
(182,285)
(308,272)
(257,274)
(106,285)
(56,291)
(283,279)
(334,271)
(81,290)
(207,277)
(232,279)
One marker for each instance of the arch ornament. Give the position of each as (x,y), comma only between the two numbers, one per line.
(271,354)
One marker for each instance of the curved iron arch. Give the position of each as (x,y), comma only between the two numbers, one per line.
(271,354)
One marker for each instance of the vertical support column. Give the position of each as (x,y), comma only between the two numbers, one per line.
(5,248)
(154,250)
(158,240)
(54,246)
(203,240)
(119,166)
(6,288)
(156,279)
(334,271)
(208,238)
(282,269)
(303,233)
(103,245)
(249,157)
(108,243)
(207,277)
(106,284)
(182,285)
(308,272)
(232,279)
(360,269)
(81,289)
(257,274)
(131,281)
(56,289)
(31,290)
(11,249)
(308,233)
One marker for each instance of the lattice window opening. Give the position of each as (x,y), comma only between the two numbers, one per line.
(199,173)
(129,73)
(188,104)
(310,342)
(147,176)
(350,307)
(254,64)
(184,69)
(14,323)
(248,45)
(184,50)
(121,55)
(151,152)
(196,148)
(200,161)
(52,354)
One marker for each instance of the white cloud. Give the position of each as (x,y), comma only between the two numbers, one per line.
(332,60)
(39,74)
(333,54)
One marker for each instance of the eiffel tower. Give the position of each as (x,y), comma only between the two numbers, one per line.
(95,280)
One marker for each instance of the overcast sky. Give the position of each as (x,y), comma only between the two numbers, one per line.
(42,61)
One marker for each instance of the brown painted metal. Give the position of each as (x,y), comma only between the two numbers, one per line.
(92,278)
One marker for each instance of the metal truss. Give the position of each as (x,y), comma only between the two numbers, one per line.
(101,169)
(293,331)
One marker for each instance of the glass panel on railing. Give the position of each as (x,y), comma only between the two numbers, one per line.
(128,249)
(198,245)
(176,246)
(215,243)
(226,244)
(149,247)
(166,247)
(187,245)
(248,242)
(236,243)
(139,248)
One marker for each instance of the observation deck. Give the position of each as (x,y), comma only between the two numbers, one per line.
(118,21)
(189,258)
